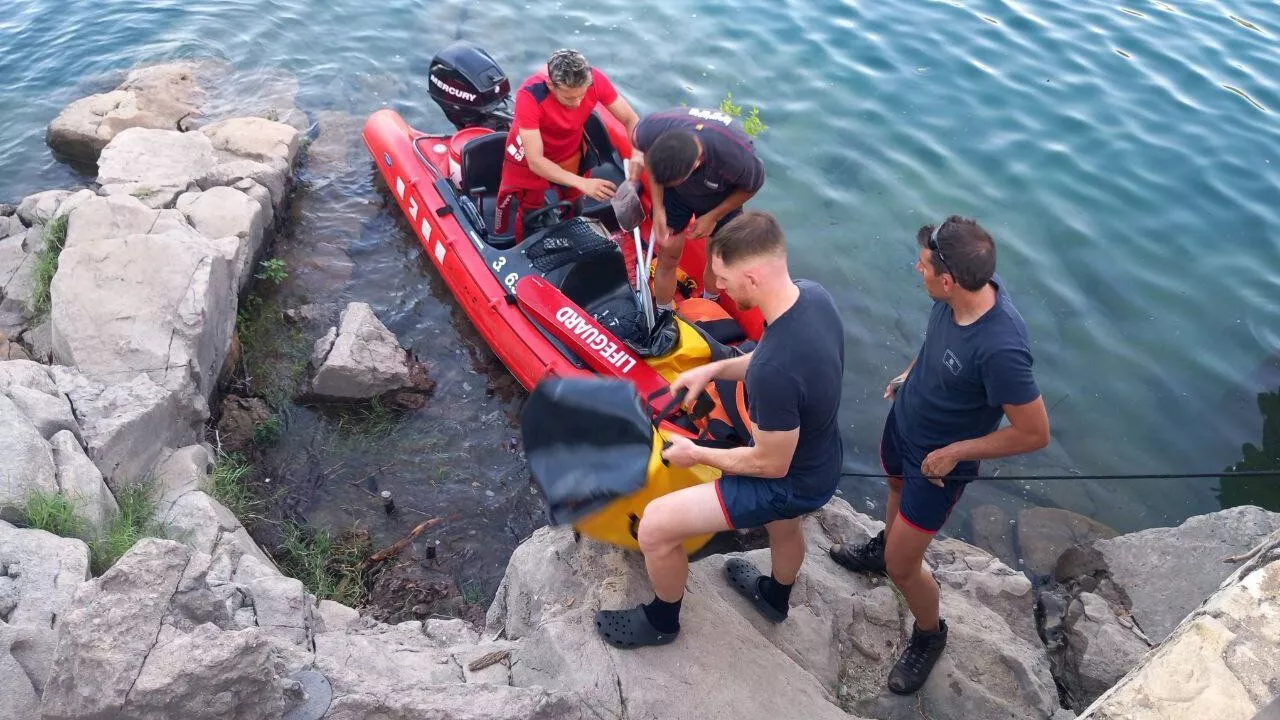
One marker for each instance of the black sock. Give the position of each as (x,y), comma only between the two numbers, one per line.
(775,593)
(663,615)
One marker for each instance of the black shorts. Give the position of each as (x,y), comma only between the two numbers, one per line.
(680,210)
(750,502)
(924,506)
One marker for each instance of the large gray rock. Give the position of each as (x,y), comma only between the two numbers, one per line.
(1102,645)
(26,656)
(160,304)
(180,472)
(1045,533)
(119,216)
(26,462)
(159,97)
(125,424)
(155,160)
(364,360)
(1143,565)
(233,173)
(149,636)
(205,525)
(11,225)
(226,212)
(80,481)
(49,414)
(28,374)
(257,139)
(41,207)
(39,574)
(1221,662)
(17,279)
(831,656)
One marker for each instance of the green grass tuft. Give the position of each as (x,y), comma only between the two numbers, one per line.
(329,567)
(55,238)
(136,520)
(275,354)
(267,432)
(53,513)
(231,487)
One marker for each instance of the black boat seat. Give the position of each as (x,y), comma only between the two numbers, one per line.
(602,210)
(481,173)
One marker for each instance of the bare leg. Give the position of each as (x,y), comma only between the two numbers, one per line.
(904,557)
(670,520)
(786,548)
(664,278)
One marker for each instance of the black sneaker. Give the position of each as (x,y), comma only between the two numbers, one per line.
(913,668)
(868,558)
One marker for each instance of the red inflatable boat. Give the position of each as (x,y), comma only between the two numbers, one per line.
(556,302)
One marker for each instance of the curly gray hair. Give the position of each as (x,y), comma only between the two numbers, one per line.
(568,68)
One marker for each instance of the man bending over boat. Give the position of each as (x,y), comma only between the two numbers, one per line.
(793,464)
(973,369)
(701,163)
(545,143)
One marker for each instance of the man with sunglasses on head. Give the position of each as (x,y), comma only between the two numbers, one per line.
(701,163)
(545,143)
(973,369)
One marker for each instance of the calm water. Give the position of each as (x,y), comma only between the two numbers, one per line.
(1124,155)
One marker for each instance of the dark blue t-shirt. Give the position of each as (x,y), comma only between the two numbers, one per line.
(964,375)
(729,162)
(794,381)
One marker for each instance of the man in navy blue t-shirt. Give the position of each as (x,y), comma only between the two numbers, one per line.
(792,466)
(973,369)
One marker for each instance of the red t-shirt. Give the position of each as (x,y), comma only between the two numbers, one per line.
(561,127)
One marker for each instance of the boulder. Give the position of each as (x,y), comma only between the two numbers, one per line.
(364,360)
(10,350)
(41,207)
(126,424)
(260,140)
(203,524)
(227,212)
(11,225)
(163,304)
(1222,661)
(233,173)
(149,636)
(992,531)
(1045,533)
(830,657)
(26,655)
(37,340)
(28,374)
(1102,645)
(17,280)
(50,414)
(283,609)
(117,216)
(1142,564)
(336,617)
(39,574)
(160,97)
(80,481)
(180,472)
(155,160)
(26,462)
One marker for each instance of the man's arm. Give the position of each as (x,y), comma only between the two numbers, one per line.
(1028,430)
(769,457)
(531,138)
(621,109)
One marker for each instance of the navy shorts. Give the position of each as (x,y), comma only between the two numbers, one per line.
(680,210)
(924,506)
(750,502)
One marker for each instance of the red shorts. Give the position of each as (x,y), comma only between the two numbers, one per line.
(522,190)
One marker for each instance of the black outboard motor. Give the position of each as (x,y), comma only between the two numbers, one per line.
(470,87)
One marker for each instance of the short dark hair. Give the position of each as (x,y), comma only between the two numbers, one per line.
(968,253)
(568,68)
(672,156)
(751,234)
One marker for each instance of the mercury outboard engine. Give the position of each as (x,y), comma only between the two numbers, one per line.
(470,87)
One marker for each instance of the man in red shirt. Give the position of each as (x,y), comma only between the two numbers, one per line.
(544,146)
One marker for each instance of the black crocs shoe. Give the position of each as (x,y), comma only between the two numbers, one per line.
(913,668)
(627,629)
(868,558)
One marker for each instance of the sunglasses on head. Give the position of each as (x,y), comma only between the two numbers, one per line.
(937,252)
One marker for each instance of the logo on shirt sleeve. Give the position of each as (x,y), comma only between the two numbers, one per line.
(952,362)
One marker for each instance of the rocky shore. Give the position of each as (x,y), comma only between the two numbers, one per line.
(118,309)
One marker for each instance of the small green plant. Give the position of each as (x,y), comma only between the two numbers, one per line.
(144,192)
(751,124)
(53,513)
(472,594)
(273,270)
(135,521)
(231,487)
(375,422)
(267,432)
(330,568)
(55,238)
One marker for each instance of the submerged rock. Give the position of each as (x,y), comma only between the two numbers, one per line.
(239,419)
(1045,533)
